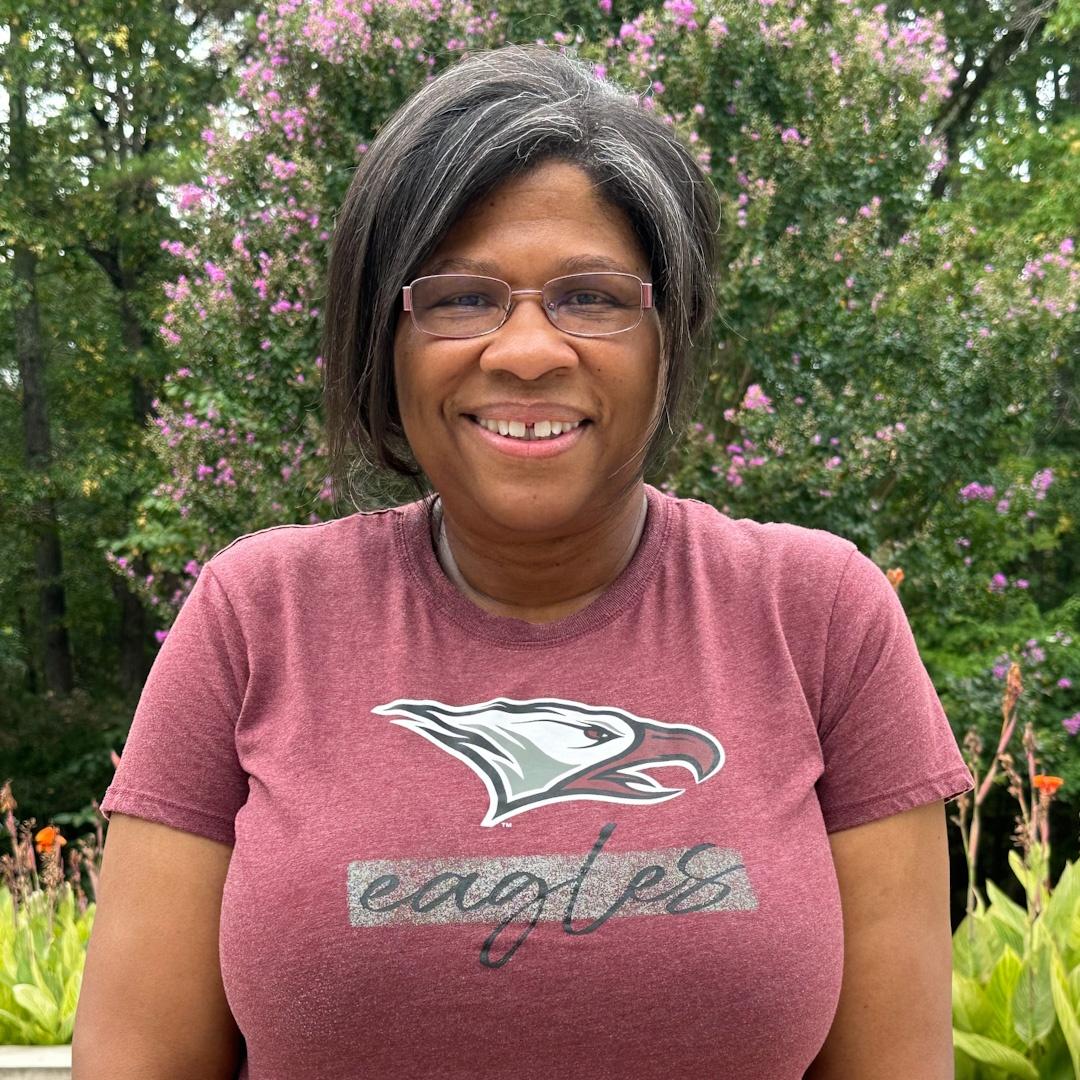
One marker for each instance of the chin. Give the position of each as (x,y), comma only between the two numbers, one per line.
(536,508)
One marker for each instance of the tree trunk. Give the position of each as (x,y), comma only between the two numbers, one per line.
(58,676)
(56,646)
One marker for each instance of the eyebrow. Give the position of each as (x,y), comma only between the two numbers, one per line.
(570,265)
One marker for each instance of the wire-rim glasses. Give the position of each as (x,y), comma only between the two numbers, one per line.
(595,304)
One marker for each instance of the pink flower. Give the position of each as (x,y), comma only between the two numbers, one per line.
(1064,683)
(1042,479)
(1072,723)
(756,398)
(998,583)
(976,490)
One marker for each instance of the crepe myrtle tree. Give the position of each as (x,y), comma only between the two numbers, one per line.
(810,120)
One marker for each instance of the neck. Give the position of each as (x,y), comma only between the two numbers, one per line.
(540,580)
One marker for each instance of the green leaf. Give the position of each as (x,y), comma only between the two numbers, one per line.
(1019,869)
(39,1004)
(970,1008)
(1066,1010)
(999,995)
(1032,1001)
(976,947)
(1006,911)
(19,1030)
(1064,903)
(68,1004)
(994,1053)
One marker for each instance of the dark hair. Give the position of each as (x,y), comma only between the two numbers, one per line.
(494,115)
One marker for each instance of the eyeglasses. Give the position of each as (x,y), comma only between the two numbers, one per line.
(468,305)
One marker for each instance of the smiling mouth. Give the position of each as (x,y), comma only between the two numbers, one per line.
(517,431)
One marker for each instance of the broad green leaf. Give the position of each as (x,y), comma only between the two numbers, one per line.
(1007,911)
(68,1004)
(1066,1010)
(70,1000)
(999,995)
(70,954)
(965,1068)
(971,1009)
(994,1053)
(39,1004)
(1064,902)
(1032,1002)
(1019,869)
(976,947)
(20,1030)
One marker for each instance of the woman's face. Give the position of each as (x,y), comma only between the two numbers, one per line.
(544,224)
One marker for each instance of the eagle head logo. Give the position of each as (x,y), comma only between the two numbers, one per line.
(531,753)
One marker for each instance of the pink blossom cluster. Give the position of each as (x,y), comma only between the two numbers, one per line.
(683,13)
(890,431)
(1041,481)
(975,490)
(740,456)
(999,582)
(756,399)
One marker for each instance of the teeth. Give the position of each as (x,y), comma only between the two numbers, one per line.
(517,429)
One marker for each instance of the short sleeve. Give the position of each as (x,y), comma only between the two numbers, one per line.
(886,742)
(179,766)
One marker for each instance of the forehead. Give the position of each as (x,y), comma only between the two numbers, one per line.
(552,218)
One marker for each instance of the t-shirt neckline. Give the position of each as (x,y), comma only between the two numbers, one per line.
(416,552)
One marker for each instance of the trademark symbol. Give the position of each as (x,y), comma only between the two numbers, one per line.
(507,824)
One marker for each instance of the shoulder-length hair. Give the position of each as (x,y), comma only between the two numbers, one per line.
(494,115)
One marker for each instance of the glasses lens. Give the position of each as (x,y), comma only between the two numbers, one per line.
(459,305)
(594,304)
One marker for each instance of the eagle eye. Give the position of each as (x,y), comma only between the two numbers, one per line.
(598,734)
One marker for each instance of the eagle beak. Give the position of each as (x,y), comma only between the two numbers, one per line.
(673,744)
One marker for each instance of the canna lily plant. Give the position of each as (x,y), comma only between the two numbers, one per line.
(45,923)
(1016,970)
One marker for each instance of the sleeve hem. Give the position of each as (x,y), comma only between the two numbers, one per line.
(946,786)
(176,815)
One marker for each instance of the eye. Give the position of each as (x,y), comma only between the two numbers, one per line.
(585,299)
(598,734)
(465,300)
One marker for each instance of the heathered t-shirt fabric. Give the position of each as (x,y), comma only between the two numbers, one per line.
(466,846)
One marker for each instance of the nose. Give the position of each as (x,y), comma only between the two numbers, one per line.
(527,344)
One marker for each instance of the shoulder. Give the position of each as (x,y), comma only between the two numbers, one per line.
(794,562)
(305,559)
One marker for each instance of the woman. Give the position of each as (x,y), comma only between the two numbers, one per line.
(547,773)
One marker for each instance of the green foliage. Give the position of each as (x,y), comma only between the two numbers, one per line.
(1016,983)
(42,953)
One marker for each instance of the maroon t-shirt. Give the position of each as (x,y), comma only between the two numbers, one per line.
(466,846)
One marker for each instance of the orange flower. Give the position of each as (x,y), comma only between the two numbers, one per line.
(48,839)
(1047,784)
(895,576)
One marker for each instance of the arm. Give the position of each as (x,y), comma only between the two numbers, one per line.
(152,1005)
(894,1018)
